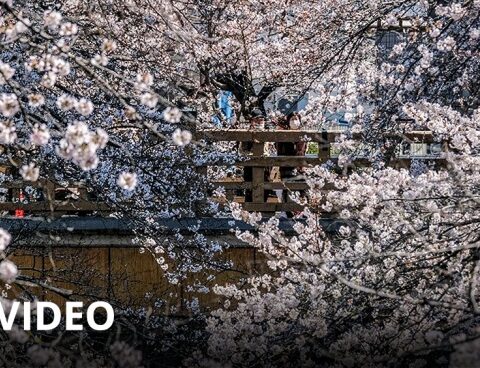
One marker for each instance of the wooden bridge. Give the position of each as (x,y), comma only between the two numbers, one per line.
(415,145)
(56,200)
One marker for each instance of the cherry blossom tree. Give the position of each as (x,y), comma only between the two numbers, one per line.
(250,48)
(391,279)
(110,93)
(75,109)
(72,110)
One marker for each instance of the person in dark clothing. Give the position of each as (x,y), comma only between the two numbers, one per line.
(291,122)
(257,122)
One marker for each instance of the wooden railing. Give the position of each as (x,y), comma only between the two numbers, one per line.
(45,197)
(259,161)
(74,199)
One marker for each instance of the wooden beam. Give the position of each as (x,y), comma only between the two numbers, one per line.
(324,146)
(258,174)
(272,207)
(66,206)
(231,185)
(297,161)
(244,135)
(282,161)
(300,185)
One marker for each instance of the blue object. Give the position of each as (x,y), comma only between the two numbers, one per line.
(224,104)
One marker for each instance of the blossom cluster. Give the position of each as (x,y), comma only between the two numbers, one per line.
(81,144)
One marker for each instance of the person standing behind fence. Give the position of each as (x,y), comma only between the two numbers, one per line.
(257,122)
(291,122)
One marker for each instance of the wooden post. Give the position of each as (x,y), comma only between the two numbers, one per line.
(202,171)
(324,146)
(258,174)
(82,193)
(49,194)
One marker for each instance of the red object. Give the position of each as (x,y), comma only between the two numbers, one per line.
(19,213)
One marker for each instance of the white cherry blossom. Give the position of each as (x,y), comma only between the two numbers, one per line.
(30,172)
(181,137)
(8,271)
(127,181)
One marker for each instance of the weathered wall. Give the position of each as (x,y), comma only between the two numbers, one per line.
(122,274)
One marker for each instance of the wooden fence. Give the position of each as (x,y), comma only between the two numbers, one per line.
(74,199)
(48,197)
(415,145)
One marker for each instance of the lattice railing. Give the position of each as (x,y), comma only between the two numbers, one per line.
(421,145)
(46,197)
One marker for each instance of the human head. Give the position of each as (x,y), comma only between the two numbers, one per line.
(294,121)
(257,118)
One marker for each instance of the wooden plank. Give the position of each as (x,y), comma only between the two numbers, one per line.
(299,185)
(282,161)
(297,161)
(49,192)
(258,174)
(57,206)
(133,274)
(243,264)
(229,185)
(38,184)
(244,135)
(272,207)
(94,240)
(420,136)
(324,146)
